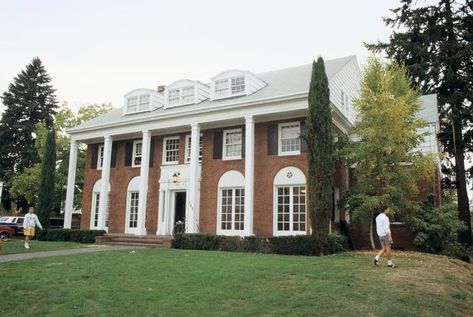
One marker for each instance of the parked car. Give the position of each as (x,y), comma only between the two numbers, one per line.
(6,233)
(14,222)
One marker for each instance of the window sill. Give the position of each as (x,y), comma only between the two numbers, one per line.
(233,158)
(170,163)
(289,153)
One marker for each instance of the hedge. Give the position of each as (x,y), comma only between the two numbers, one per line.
(289,245)
(74,235)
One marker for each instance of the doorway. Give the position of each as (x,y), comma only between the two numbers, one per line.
(180,207)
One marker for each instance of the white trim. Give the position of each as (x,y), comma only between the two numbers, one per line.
(164,150)
(280,127)
(127,216)
(231,232)
(71,180)
(100,152)
(134,153)
(224,149)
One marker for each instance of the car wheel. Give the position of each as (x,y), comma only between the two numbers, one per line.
(4,235)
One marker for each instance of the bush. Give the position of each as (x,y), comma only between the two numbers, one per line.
(288,245)
(74,235)
(437,230)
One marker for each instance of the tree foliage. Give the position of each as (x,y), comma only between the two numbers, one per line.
(435,42)
(29,99)
(46,194)
(387,167)
(320,151)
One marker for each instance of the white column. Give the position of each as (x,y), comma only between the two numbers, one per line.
(71,183)
(103,203)
(193,191)
(144,173)
(249,173)
(161,222)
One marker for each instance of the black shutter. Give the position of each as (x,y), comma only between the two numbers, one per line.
(273,139)
(94,152)
(218,145)
(151,153)
(113,161)
(128,153)
(243,142)
(303,137)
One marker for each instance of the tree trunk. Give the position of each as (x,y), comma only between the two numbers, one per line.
(371,231)
(462,196)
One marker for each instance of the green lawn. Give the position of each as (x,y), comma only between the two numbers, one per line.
(167,282)
(17,246)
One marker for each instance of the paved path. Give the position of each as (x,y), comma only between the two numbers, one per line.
(43,254)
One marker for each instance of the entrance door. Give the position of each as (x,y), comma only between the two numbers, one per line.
(179,211)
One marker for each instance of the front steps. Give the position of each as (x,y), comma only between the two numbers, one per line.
(153,241)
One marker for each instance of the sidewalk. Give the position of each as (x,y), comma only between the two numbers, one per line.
(43,254)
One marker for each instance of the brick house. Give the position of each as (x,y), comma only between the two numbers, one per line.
(223,157)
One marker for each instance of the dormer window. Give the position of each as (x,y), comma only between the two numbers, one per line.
(230,86)
(221,87)
(138,103)
(181,96)
(238,84)
(233,83)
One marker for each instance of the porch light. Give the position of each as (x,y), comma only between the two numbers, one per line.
(175,177)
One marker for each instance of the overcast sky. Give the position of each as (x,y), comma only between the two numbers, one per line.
(97,51)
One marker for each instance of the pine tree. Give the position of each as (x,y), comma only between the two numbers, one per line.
(320,151)
(47,180)
(30,99)
(435,42)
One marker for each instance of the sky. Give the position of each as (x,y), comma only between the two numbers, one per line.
(97,51)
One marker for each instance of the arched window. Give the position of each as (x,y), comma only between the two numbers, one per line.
(133,195)
(94,210)
(289,210)
(231,204)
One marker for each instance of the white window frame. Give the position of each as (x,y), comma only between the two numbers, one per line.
(224,150)
(187,158)
(180,96)
(128,212)
(165,151)
(94,210)
(280,127)
(228,88)
(139,106)
(100,156)
(289,232)
(232,231)
(134,156)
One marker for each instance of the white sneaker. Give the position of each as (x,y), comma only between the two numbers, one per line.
(27,246)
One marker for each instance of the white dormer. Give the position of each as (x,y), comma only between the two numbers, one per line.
(233,83)
(185,92)
(141,100)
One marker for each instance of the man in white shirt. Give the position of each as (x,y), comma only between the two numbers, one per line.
(29,224)
(384,234)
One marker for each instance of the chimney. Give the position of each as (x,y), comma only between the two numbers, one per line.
(161,88)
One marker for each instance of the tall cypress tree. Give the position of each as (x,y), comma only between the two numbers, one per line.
(47,180)
(320,151)
(435,43)
(30,99)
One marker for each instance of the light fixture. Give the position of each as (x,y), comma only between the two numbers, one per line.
(175,177)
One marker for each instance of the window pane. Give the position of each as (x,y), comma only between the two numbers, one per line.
(221,87)
(232,215)
(144,103)
(132,105)
(188,94)
(133,218)
(174,96)
(283,208)
(172,150)
(96,209)
(238,84)
(137,154)
(298,207)
(233,143)
(290,141)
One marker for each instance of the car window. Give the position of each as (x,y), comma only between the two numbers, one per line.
(3,219)
(20,220)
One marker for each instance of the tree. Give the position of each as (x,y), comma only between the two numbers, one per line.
(435,42)
(47,180)
(30,99)
(387,166)
(27,183)
(320,152)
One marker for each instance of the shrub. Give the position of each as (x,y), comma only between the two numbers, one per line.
(74,235)
(295,245)
(337,243)
(437,230)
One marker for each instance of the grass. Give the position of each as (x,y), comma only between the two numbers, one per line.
(17,246)
(167,282)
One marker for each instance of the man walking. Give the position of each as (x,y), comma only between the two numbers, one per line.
(29,224)
(384,234)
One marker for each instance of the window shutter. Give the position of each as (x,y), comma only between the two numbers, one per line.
(94,152)
(273,140)
(128,153)
(218,145)
(113,161)
(243,142)
(151,153)
(303,140)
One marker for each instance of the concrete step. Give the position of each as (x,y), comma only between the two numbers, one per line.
(137,244)
(129,240)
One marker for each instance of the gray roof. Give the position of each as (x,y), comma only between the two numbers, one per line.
(280,82)
(428,108)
